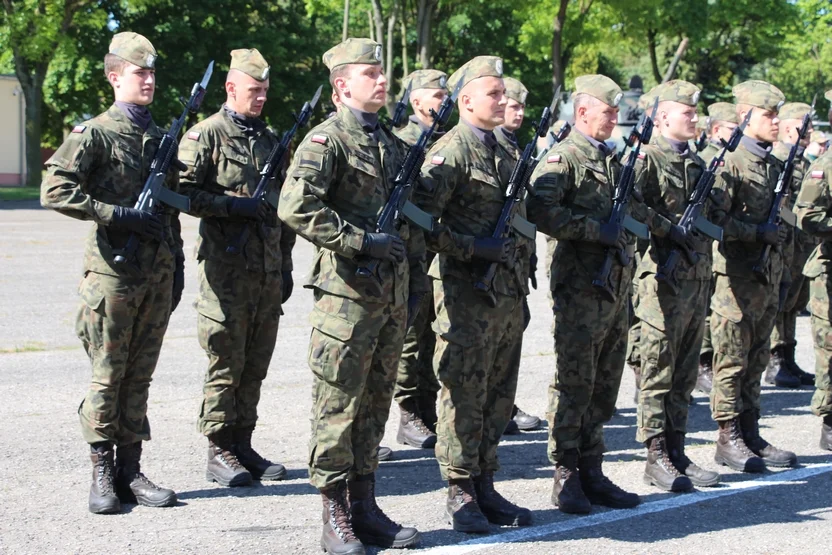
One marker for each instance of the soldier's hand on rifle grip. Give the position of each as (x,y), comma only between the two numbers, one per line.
(613,235)
(494,249)
(248,208)
(768,233)
(138,221)
(782,234)
(383,246)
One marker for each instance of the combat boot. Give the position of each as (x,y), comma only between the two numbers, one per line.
(103,498)
(337,535)
(599,489)
(223,466)
(427,410)
(462,509)
(699,477)
(512,429)
(132,486)
(524,420)
(369,523)
(777,371)
(705,378)
(257,466)
(731,450)
(805,377)
(496,508)
(826,433)
(412,430)
(771,455)
(659,470)
(567,494)
(384,453)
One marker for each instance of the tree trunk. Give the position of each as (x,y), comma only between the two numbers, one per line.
(345,29)
(388,57)
(654,62)
(557,45)
(674,64)
(372,26)
(424,21)
(378,21)
(405,64)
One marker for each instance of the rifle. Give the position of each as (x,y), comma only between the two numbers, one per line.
(154,190)
(398,204)
(618,214)
(518,183)
(401,108)
(702,142)
(779,211)
(692,217)
(273,161)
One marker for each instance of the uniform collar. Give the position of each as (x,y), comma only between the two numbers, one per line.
(760,149)
(485,137)
(510,136)
(139,115)
(249,127)
(592,147)
(128,127)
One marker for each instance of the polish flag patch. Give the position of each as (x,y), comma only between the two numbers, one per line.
(320,139)
(641,156)
(817,174)
(437,160)
(193,135)
(721,163)
(79,128)
(553,159)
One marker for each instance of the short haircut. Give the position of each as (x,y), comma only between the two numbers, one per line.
(336,73)
(114,64)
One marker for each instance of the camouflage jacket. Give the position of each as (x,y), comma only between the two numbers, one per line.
(803,242)
(224,163)
(747,181)
(411,132)
(709,152)
(336,187)
(104,162)
(464,184)
(506,142)
(667,180)
(814,213)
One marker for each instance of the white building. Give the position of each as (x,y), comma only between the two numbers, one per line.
(12,132)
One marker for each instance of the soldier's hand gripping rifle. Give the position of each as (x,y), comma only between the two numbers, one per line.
(693,218)
(779,212)
(274,161)
(154,190)
(518,183)
(621,201)
(399,205)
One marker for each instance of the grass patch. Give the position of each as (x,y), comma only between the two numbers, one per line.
(28,347)
(19,193)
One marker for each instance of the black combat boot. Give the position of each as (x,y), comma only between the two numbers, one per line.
(771,455)
(826,433)
(412,430)
(805,377)
(599,489)
(103,498)
(496,508)
(257,466)
(567,494)
(337,536)
(369,522)
(427,409)
(705,378)
(134,487)
(524,420)
(384,453)
(731,450)
(462,509)
(659,470)
(223,466)
(777,371)
(698,475)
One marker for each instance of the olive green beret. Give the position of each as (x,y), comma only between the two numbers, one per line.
(649,98)
(794,110)
(134,48)
(759,94)
(250,62)
(353,51)
(678,91)
(818,137)
(515,90)
(723,111)
(481,66)
(427,79)
(601,87)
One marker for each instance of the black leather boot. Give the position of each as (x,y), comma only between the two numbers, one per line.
(462,508)
(599,489)
(369,522)
(496,508)
(133,486)
(771,455)
(259,467)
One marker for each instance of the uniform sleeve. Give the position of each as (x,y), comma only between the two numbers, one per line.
(64,187)
(199,157)
(303,200)
(650,195)
(733,229)
(814,202)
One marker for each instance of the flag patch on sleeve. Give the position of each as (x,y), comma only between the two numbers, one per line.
(641,156)
(320,139)
(817,174)
(193,135)
(553,159)
(437,160)
(79,128)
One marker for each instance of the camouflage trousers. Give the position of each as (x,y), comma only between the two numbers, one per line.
(742,318)
(477,360)
(671,337)
(121,323)
(822,334)
(354,351)
(415,377)
(634,333)
(239,312)
(785,326)
(591,345)
(707,345)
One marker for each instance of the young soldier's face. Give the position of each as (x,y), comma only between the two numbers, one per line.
(677,121)
(365,86)
(514,115)
(764,125)
(135,84)
(425,100)
(484,102)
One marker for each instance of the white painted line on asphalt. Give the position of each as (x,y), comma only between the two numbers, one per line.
(576,523)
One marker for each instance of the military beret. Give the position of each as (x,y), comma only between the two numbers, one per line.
(678,91)
(723,111)
(759,94)
(133,48)
(515,90)
(601,87)
(481,66)
(794,110)
(818,137)
(649,98)
(427,79)
(353,51)
(250,62)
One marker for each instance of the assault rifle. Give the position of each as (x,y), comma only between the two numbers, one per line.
(401,108)
(702,142)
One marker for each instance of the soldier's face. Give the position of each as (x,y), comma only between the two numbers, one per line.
(426,100)
(364,87)
(514,115)
(135,84)
(723,130)
(597,120)
(677,121)
(789,131)
(764,125)
(484,102)
(246,95)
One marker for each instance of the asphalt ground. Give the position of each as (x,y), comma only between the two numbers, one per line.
(45,469)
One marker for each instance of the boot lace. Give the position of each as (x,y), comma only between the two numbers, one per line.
(340,519)
(419,424)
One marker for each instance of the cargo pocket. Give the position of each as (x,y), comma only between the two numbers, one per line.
(89,324)
(214,336)
(332,358)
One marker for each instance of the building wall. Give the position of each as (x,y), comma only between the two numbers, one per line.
(12,163)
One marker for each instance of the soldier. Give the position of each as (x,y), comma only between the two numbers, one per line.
(672,323)
(336,187)
(97,175)
(239,293)
(416,383)
(575,182)
(478,343)
(743,308)
(782,369)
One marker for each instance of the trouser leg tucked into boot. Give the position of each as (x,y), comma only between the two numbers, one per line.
(103,499)
(133,486)
(369,522)
(223,465)
(567,494)
(731,450)
(599,489)
(771,455)
(826,433)
(698,475)
(659,470)
(259,467)
(496,508)
(777,371)
(462,508)
(337,535)
(412,430)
